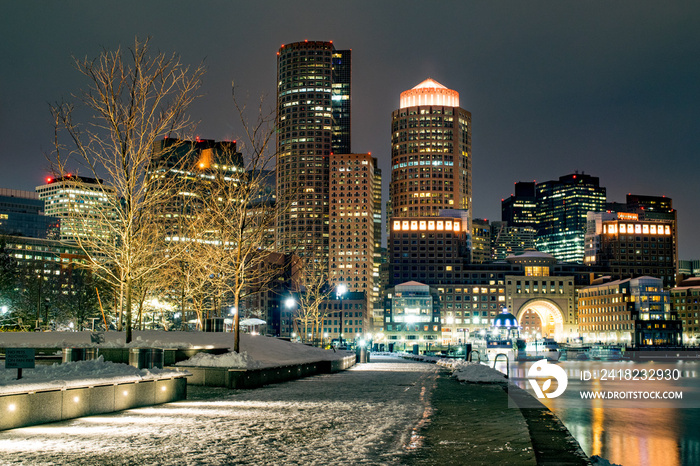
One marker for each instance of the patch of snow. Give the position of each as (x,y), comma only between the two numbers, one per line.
(474,372)
(256,351)
(232,360)
(76,374)
(598,461)
(361,416)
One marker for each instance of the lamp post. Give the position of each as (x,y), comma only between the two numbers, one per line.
(466,356)
(340,291)
(290,303)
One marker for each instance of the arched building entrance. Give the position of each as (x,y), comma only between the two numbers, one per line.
(551,317)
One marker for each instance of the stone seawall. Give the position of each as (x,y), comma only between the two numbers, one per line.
(40,407)
(254,378)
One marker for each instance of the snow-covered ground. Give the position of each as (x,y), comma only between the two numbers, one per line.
(361,416)
(256,351)
(262,351)
(75,374)
(473,371)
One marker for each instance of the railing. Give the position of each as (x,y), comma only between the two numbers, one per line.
(507,362)
(469,357)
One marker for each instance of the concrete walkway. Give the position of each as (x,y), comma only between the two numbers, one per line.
(389,411)
(472,424)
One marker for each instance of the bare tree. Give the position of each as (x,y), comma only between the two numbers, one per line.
(239,217)
(134,99)
(313,296)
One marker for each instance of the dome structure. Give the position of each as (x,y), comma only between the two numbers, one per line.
(429,92)
(505,320)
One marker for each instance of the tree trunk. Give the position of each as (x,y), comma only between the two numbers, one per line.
(120,319)
(128,310)
(182,308)
(237,327)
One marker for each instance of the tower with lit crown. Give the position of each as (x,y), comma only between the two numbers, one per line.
(430,152)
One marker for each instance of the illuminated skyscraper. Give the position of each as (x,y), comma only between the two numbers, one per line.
(430,152)
(313,121)
(352,233)
(637,238)
(562,206)
(86,207)
(520,209)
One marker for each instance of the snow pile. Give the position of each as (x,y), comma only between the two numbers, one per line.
(230,360)
(475,372)
(261,351)
(76,374)
(598,461)
(142,338)
(419,357)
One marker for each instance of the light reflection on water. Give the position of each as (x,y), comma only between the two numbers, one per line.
(630,432)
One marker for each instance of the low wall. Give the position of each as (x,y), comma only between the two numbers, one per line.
(28,409)
(121,355)
(254,378)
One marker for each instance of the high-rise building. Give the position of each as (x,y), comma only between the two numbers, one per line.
(562,206)
(352,232)
(378,257)
(86,206)
(430,152)
(340,100)
(689,268)
(629,246)
(429,249)
(187,168)
(481,241)
(22,214)
(313,121)
(520,209)
(507,240)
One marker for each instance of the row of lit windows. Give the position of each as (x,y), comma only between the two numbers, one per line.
(622,228)
(429,225)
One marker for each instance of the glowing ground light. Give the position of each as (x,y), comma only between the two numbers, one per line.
(76,399)
(162,389)
(12,407)
(126,393)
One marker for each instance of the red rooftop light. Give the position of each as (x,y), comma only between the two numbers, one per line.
(48,179)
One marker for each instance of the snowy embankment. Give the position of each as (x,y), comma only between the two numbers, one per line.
(473,371)
(256,352)
(76,374)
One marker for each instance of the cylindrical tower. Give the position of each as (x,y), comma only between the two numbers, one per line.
(304,134)
(430,152)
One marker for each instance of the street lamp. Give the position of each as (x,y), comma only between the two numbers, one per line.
(290,303)
(340,291)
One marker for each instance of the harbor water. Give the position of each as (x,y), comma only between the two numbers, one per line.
(635,430)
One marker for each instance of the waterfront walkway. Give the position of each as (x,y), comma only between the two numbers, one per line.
(389,411)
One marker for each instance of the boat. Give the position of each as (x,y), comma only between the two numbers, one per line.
(605,353)
(546,348)
(495,347)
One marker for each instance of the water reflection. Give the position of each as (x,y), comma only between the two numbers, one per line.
(629,432)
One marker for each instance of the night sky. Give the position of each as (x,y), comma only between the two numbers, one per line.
(611,89)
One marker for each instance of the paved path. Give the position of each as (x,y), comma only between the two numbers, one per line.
(389,411)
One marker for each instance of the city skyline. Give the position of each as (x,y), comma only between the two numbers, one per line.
(607,91)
